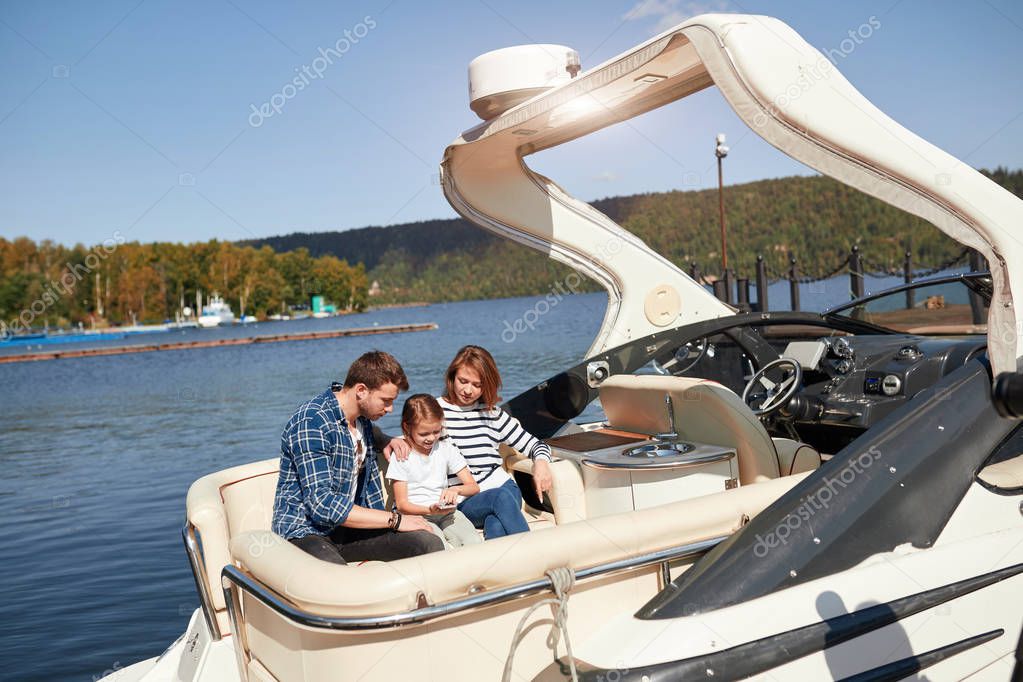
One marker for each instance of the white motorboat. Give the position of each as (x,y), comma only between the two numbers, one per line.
(854,514)
(215,313)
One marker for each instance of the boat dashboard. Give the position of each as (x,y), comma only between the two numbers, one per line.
(854,373)
(855,381)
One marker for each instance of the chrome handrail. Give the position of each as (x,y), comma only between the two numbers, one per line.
(233,598)
(202,583)
(234,580)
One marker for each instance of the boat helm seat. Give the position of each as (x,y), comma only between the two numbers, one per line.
(705,412)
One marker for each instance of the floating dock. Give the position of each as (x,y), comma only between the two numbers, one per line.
(216,343)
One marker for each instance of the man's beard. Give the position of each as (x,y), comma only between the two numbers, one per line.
(365,409)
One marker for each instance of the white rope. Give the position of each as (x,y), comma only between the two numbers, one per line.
(562,580)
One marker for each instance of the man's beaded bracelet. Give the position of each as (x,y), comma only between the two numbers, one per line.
(395,520)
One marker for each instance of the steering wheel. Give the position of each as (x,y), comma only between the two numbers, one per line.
(684,358)
(773,394)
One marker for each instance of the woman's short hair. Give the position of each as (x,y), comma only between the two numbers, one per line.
(482,362)
(419,408)
(374,369)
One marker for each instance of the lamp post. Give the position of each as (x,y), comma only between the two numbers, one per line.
(721,151)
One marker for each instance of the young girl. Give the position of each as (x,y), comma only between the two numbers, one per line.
(477,426)
(421,482)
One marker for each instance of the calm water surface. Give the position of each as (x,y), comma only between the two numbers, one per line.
(98,454)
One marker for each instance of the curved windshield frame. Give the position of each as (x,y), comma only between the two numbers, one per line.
(950,305)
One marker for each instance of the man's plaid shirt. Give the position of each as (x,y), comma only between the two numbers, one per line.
(318,470)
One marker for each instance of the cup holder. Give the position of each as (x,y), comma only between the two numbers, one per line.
(659,449)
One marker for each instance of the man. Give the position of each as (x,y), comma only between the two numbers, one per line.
(329,501)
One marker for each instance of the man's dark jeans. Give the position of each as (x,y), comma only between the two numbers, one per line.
(345,545)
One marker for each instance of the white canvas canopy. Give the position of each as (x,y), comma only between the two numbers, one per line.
(789,94)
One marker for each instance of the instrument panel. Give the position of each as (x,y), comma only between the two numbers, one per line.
(859,380)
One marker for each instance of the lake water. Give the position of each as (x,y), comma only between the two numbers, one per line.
(99,452)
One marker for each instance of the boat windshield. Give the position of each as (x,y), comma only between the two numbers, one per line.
(956,305)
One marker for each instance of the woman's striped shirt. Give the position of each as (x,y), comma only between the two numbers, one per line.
(477,432)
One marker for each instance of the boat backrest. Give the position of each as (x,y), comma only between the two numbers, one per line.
(223,505)
(249,502)
(705,412)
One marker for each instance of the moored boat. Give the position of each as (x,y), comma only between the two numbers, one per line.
(215,313)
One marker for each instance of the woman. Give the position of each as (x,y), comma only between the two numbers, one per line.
(477,427)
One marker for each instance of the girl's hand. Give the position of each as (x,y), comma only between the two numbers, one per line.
(397,448)
(542,478)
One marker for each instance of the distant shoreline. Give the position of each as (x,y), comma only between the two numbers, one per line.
(388,306)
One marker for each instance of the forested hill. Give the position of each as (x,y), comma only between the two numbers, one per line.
(814,218)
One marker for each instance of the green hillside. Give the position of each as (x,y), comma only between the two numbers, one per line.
(814,218)
(46,284)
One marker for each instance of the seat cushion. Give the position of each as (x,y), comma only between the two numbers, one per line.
(795,457)
(378,588)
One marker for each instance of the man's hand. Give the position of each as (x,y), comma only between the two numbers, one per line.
(449,496)
(542,478)
(398,448)
(410,522)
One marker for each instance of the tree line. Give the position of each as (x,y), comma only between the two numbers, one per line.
(815,219)
(48,284)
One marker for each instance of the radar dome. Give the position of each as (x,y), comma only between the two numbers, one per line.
(501,79)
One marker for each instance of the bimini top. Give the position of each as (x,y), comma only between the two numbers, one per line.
(788,93)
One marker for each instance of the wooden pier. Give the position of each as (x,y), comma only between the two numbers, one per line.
(241,341)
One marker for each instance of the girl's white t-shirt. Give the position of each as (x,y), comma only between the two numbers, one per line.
(427,475)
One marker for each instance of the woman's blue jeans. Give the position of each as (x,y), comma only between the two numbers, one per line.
(498,511)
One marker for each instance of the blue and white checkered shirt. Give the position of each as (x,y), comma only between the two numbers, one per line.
(319,468)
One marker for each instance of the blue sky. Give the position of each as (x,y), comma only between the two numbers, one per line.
(137,116)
